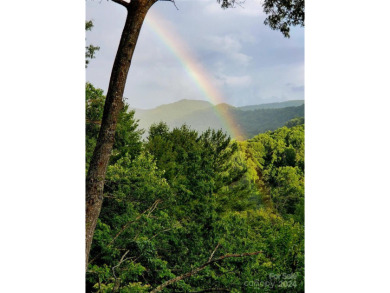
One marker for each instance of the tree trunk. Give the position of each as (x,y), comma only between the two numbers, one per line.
(136,12)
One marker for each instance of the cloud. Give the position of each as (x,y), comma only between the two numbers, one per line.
(298,88)
(226,43)
(235,81)
(247,61)
(229,46)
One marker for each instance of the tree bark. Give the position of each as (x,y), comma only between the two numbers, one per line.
(136,12)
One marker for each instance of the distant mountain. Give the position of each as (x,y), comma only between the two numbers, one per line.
(173,111)
(262,120)
(292,103)
(201,115)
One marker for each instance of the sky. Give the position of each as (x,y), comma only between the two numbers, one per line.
(199,52)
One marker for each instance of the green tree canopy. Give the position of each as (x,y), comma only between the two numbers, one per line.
(186,198)
(91,49)
(127,136)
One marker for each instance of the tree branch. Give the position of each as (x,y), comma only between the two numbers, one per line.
(212,290)
(119,263)
(212,254)
(195,271)
(151,209)
(124,227)
(165,230)
(173,1)
(117,281)
(121,2)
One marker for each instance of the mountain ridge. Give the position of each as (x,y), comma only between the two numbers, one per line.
(201,115)
(284,104)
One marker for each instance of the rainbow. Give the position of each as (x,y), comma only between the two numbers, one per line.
(194,70)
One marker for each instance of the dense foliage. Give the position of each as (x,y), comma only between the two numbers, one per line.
(182,198)
(281,154)
(262,120)
(295,121)
(282,14)
(127,137)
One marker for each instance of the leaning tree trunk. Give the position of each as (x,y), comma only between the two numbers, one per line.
(136,12)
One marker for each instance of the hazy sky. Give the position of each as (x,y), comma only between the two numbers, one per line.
(246,61)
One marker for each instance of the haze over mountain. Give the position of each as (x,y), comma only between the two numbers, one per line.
(291,103)
(201,115)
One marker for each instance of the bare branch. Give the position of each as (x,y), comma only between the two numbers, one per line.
(153,207)
(158,233)
(117,281)
(209,290)
(150,210)
(121,2)
(202,267)
(119,263)
(215,249)
(212,290)
(97,122)
(124,227)
(173,1)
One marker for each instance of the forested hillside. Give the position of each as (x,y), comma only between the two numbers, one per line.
(192,211)
(292,103)
(201,115)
